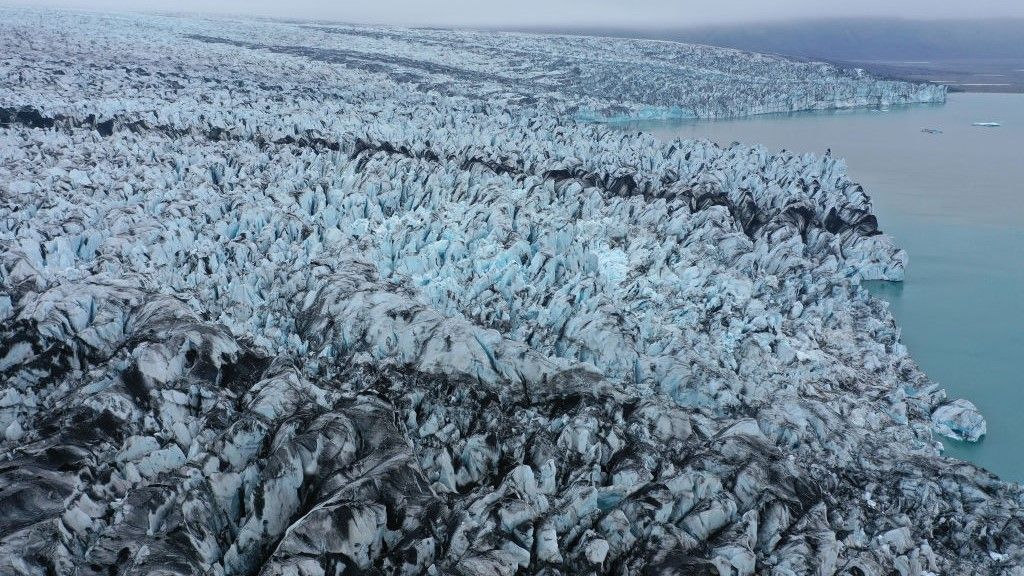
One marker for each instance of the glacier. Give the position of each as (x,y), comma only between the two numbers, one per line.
(280,298)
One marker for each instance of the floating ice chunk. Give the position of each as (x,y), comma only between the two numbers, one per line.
(959,420)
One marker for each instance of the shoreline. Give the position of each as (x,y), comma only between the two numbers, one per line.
(939,266)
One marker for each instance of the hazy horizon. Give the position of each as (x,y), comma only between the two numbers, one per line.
(566,13)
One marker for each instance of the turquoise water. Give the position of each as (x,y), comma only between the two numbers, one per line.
(955,201)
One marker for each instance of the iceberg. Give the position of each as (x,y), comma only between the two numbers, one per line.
(959,420)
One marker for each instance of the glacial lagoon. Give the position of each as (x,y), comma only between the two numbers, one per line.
(954,199)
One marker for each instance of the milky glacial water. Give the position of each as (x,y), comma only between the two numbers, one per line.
(955,202)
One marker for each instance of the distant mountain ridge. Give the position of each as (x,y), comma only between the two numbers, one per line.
(966,54)
(848,39)
(872,38)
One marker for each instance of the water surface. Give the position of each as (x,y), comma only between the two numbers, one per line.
(955,201)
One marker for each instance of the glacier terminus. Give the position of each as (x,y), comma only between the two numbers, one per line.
(284,298)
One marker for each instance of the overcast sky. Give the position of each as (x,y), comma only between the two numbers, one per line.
(661,13)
